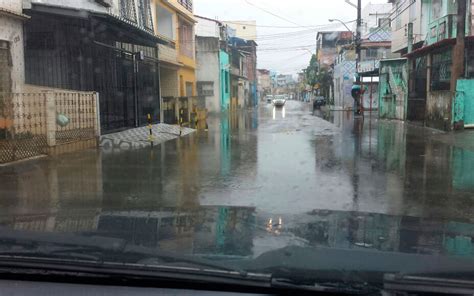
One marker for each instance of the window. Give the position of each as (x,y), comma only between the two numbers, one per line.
(189,89)
(384,22)
(188,4)
(127,10)
(5,65)
(144,13)
(441,70)
(165,24)
(398,18)
(186,40)
(371,52)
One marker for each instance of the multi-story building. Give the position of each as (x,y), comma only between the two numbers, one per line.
(243,72)
(213,64)
(186,47)
(243,29)
(328,44)
(174,22)
(375,45)
(264,83)
(425,32)
(104,46)
(12,75)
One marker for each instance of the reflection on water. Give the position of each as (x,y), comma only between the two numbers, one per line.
(254,182)
(242,231)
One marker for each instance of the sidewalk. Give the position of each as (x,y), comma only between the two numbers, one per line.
(139,137)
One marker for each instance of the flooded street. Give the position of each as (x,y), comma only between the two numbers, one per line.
(257,181)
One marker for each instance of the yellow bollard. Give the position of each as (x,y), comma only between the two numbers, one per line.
(150,128)
(181,122)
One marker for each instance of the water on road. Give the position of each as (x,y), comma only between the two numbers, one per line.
(256,181)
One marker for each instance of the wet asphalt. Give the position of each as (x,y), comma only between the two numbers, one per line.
(256,180)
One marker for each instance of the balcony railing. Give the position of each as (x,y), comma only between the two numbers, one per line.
(127,10)
(442,28)
(188,4)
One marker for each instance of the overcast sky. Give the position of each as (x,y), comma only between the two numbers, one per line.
(286,28)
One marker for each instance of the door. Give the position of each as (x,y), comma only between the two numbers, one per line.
(5,67)
(5,88)
(464,102)
(417,94)
(189,89)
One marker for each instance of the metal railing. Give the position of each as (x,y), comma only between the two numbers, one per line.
(79,109)
(22,126)
(31,123)
(188,4)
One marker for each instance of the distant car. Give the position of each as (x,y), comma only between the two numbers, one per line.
(279,101)
(269,99)
(318,102)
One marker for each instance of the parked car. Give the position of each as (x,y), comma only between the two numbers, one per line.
(279,101)
(269,98)
(318,102)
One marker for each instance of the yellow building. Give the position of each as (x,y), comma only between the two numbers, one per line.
(174,22)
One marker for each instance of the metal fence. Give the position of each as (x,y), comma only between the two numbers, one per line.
(22,126)
(32,123)
(79,109)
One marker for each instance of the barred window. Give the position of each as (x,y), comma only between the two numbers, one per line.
(144,14)
(188,4)
(186,39)
(441,70)
(127,10)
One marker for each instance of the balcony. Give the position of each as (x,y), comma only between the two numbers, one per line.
(442,28)
(188,4)
(167,54)
(368,66)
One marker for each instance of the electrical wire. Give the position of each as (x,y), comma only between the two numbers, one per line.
(274,14)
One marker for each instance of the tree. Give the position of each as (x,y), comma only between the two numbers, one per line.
(312,71)
(319,78)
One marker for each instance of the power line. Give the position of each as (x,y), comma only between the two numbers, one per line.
(274,14)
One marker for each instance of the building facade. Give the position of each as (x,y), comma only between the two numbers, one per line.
(12,74)
(104,46)
(264,83)
(243,29)
(433,97)
(213,64)
(328,44)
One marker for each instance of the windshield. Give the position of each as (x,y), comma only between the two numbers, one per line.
(151,127)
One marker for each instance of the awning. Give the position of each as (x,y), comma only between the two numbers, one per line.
(127,31)
(426,49)
(13,14)
(122,29)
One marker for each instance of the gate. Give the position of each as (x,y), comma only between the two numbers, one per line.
(169,110)
(417,94)
(464,103)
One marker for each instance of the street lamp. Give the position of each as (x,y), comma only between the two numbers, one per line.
(344,24)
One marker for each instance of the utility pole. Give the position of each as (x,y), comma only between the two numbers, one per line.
(458,49)
(358,37)
(457,70)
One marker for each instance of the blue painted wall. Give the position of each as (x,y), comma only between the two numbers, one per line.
(224,62)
